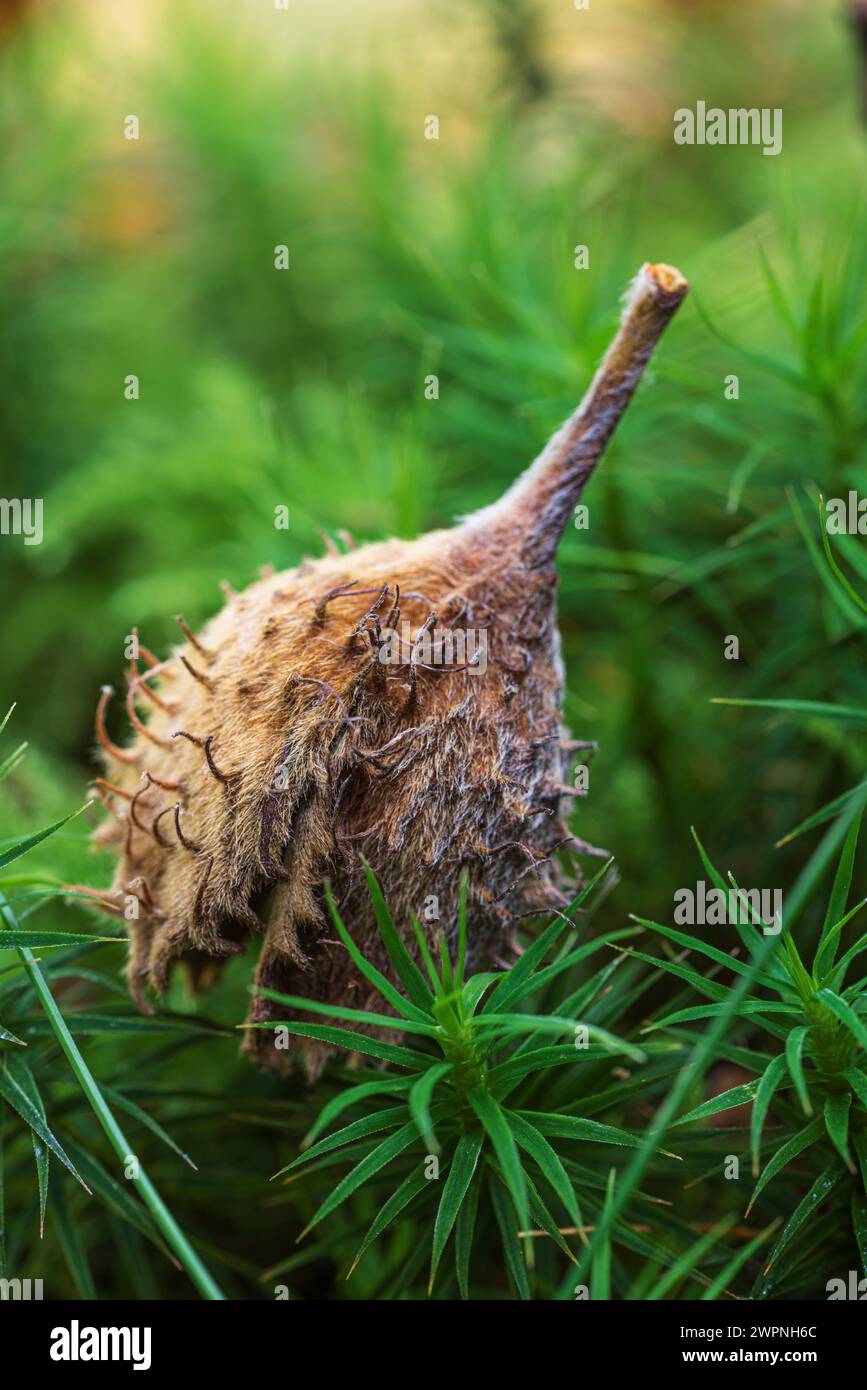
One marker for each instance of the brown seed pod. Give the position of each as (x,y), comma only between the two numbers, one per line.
(330,712)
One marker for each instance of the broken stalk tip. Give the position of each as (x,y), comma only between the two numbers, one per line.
(542,500)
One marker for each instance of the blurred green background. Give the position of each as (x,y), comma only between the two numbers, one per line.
(407,256)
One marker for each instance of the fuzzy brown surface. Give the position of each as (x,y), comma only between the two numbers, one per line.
(288,749)
(467,774)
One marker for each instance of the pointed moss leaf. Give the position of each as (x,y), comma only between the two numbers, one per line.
(835,583)
(837,1109)
(474,989)
(353,1095)
(747,934)
(547,1161)
(770,362)
(758,1008)
(13,762)
(506,992)
(358,1129)
(525,1023)
(848,589)
(836,909)
(542,1216)
(383,1154)
(840,803)
(403,1006)
(42,940)
(794,1146)
(135,1111)
(187,1256)
(599,990)
(823,965)
(98,1025)
(846,960)
(574,1127)
(504,1078)
(700,983)
(353,1042)
(412,1185)
(419,1102)
(768,1083)
(457,1183)
(505,1214)
(24,1076)
(712,872)
(550,1023)
(600,1266)
(465,1228)
(736,1095)
(30,841)
(777,294)
(543,977)
(706,1047)
(495,1124)
(794,1060)
(694,943)
(405,967)
(14,1093)
(817,708)
(821,1189)
(425,1029)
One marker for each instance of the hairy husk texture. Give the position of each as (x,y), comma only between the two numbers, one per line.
(276,748)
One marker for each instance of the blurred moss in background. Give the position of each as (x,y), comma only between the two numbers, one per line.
(409,256)
(258,388)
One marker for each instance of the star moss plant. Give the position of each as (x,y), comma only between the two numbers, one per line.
(459,1101)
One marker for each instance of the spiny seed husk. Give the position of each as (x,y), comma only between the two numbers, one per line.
(275,747)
